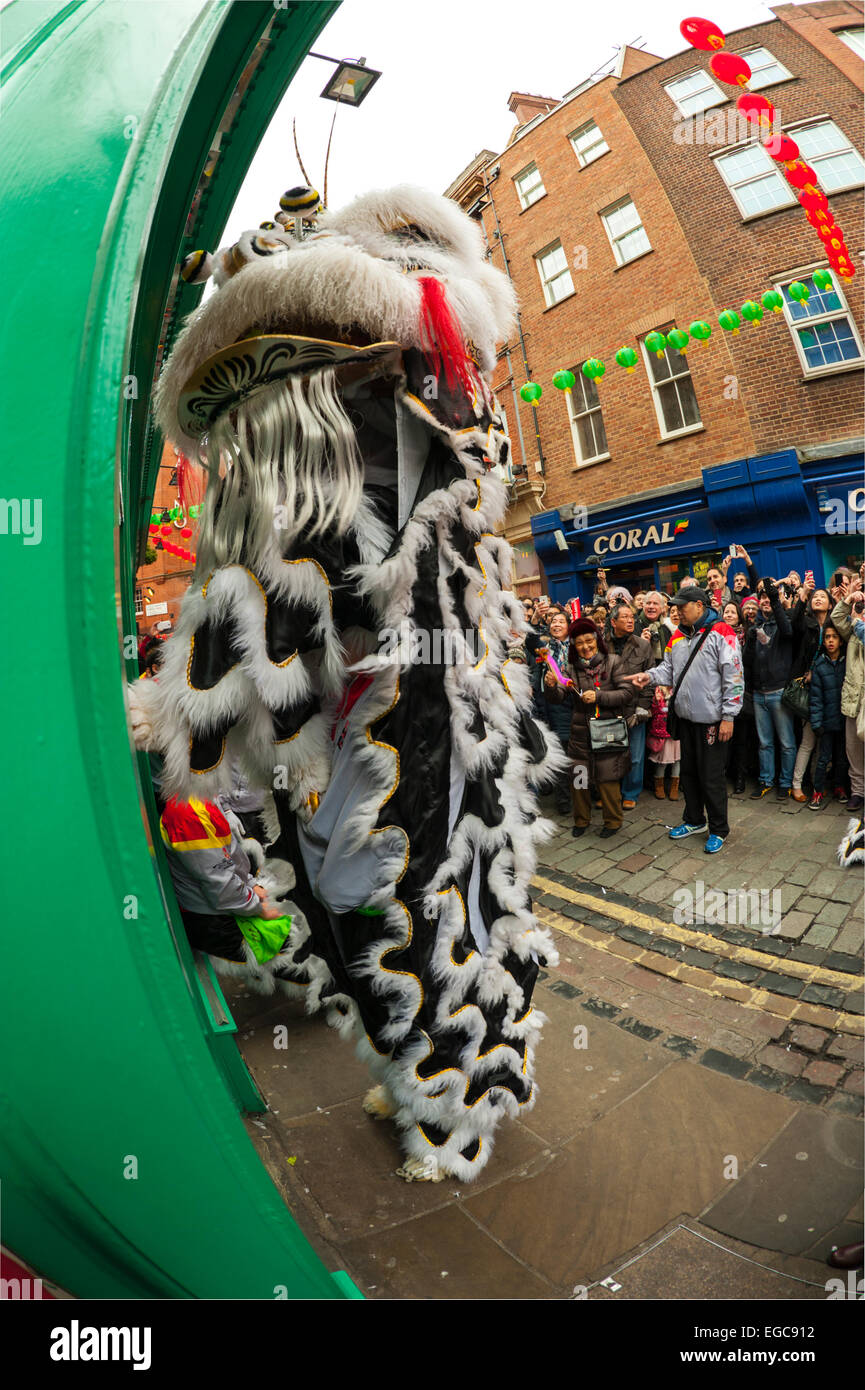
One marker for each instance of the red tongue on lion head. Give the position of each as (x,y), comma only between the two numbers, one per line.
(444,347)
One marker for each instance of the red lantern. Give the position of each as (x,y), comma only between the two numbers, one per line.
(781,147)
(153,529)
(815,202)
(165,530)
(820,218)
(729,67)
(701,33)
(756,108)
(800,175)
(186,532)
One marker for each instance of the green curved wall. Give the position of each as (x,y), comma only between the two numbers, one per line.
(108,111)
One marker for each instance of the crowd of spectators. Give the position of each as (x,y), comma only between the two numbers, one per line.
(770,674)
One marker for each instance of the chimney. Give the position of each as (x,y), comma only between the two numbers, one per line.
(526,107)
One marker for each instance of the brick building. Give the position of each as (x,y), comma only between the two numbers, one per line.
(160,585)
(643,201)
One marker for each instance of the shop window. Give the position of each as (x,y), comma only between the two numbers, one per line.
(694,92)
(625,230)
(673,392)
(832,157)
(555,276)
(823,330)
(588,144)
(765,70)
(854,38)
(526,570)
(529,186)
(587,421)
(673,571)
(754,181)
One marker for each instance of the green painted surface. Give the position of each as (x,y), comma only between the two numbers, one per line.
(107,107)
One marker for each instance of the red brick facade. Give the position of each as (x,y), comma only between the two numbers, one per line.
(750,389)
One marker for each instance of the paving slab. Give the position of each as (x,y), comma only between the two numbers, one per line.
(577,1085)
(348,1160)
(310,1071)
(662,1151)
(443,1255)
(687,1262)
(801,1187)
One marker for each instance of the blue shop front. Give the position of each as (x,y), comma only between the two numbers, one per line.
(790,510)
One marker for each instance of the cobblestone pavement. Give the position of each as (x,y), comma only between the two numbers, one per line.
(782,850)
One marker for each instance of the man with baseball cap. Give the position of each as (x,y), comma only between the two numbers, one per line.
(702,663)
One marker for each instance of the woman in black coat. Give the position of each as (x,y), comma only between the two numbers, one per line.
(597,689)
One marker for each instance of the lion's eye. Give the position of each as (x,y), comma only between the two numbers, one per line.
(410,231)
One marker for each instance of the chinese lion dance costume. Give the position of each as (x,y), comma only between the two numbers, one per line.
(335,389)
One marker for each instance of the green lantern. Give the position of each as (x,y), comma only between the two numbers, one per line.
(627,358)
(700,330)
(564,380)
(656,343)
(729,321)
(531,392)
(799,292)
(193,511)
(772,300)
(593,368)
(677,339)
(752,311)
(823,280)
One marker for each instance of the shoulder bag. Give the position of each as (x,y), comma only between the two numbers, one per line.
(672,716)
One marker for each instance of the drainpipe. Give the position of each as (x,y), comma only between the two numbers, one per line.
(534,408)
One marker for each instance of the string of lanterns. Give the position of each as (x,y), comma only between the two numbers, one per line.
(658,343)
(163,525)
(734,71)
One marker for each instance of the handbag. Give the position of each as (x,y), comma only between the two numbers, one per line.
(796,697)
(672,717)
(608,735)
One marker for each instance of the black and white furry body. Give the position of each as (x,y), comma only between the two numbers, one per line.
(404,788)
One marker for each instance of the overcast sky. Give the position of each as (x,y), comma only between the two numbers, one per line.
(448,68)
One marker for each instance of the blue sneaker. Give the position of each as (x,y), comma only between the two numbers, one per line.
(713,844)
(679,832)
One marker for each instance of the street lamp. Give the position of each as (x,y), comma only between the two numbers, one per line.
(351,82)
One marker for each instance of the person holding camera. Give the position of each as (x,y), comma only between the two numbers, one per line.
(848,611)
(703,665)
(768,659)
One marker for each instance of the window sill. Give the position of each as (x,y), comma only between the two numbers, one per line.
(633,260)
(560,302)
(590,463)
(532,205)
(836,369)
(583,167)
(680,434)
(770,212)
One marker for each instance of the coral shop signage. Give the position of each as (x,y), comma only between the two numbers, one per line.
(637,537)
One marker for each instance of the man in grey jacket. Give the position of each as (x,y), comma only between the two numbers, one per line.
(707,702)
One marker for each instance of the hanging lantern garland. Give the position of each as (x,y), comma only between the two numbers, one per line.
(752,311)
(733,70)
